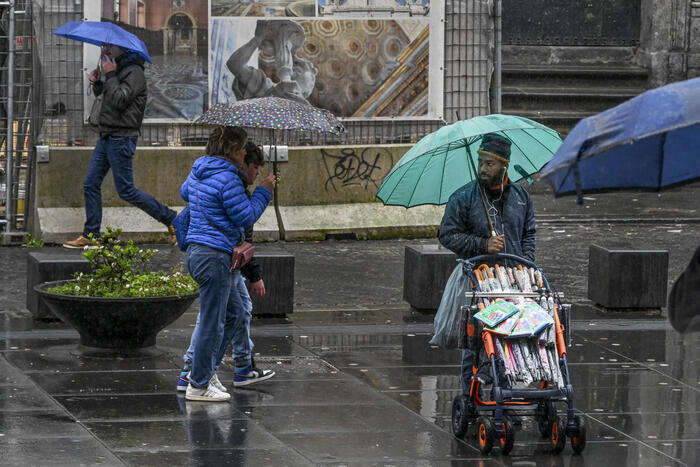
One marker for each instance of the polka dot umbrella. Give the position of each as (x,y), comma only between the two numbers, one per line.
(274,113)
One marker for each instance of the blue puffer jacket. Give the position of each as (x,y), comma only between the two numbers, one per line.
(219,207)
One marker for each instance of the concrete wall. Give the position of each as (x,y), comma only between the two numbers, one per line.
(670,40)
(323,191)
(313,175)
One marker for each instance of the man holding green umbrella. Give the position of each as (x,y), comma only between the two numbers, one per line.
(509,226)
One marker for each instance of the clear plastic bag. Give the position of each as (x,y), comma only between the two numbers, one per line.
(450,324)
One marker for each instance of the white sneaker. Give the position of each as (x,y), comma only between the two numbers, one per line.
(208,394)
(217,384)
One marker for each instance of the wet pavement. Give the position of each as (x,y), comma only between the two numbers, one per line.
(356,383)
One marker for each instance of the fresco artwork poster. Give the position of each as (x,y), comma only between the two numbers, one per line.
(355,68)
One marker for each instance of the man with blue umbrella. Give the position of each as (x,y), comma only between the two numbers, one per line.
(489,215)
(121,86)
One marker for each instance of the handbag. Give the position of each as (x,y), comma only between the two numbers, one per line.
(241,255)
(181,224)
(94,117)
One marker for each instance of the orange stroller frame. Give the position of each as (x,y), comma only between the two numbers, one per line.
(496,430)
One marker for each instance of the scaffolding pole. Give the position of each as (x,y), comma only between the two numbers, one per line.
(9,148)
(497,61)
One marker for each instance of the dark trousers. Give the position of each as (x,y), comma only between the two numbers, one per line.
(467,363)
(116,153)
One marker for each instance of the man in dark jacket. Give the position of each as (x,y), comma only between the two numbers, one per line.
(465,227)
(123,92)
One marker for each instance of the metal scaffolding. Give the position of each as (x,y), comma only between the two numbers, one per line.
(16,64)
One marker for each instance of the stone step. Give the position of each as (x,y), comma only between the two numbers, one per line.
(569,55)
(607,76)
(561,120)
(550,99)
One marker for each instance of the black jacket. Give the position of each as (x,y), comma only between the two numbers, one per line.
(465,228)
(252,270)
(124,97)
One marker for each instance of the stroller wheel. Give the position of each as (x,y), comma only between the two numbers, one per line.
(460,416)
(578,439)
(557,434)
(484,434)
(508,438)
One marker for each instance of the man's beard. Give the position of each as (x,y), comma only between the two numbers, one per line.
(488,183)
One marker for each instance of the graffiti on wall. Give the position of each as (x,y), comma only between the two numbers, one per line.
(347,167)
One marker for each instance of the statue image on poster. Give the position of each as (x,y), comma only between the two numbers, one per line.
(374,8)
(291,8)
(296,77)
(352,67)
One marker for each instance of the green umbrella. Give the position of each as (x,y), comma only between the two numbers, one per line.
(445,160)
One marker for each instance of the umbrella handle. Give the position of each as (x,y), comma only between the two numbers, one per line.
(478,187)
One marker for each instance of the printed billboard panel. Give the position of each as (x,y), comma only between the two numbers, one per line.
(356,68)
(289,8)
(374,8)
(371,59)
(176,35)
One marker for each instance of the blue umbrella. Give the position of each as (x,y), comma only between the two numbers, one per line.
(100,33)
(650,141)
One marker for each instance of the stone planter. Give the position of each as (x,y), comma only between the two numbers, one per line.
(119,324)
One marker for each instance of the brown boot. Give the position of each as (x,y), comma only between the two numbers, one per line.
(79,243)
(173,237)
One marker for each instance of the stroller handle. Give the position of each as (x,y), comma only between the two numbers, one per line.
(520,259)
(525,262)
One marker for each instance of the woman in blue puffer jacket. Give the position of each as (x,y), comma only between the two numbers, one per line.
(220,210)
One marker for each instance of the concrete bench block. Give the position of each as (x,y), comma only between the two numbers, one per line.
(278,274)
(426,269)
(627,278)
(46,267)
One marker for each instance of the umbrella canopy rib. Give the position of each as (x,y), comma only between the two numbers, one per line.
(538,141)
(400,179)
(419,177)
(524,154)
(442,178)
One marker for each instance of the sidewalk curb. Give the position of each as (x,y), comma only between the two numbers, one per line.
(620,220)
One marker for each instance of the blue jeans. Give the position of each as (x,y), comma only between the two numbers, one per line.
(242,343)
(224,313)
(116,153)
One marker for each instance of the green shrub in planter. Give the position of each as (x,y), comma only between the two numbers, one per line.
(119,270)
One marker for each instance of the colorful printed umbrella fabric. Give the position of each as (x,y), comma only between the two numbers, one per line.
(437,165)
(100,33)
(274,113)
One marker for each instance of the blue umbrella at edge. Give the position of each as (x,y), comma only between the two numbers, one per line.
(650,141)
(100,33)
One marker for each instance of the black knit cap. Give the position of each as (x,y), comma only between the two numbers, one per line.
(493,144)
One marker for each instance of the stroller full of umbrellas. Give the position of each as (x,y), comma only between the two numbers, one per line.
(519,331)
